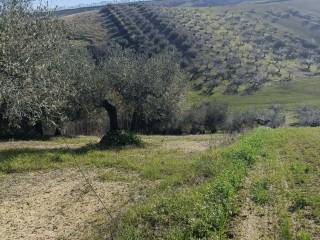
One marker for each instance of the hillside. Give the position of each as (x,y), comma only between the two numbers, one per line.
(67,12)
(201,3)
(252,52)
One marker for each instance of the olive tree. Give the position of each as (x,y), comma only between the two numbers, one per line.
(149,89)
(33,85)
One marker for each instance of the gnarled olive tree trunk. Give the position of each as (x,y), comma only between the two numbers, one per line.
(113,115)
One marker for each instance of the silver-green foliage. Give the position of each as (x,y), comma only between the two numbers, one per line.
(149,87)
(33,85)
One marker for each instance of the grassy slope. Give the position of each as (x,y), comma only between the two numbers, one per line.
(282,177)
(291,95)
(197,194)
(284,191)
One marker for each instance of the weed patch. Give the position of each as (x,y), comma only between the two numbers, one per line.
(260,193)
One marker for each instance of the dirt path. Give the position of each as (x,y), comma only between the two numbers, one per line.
(56,204)
(254,222)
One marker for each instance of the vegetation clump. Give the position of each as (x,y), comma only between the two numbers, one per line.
(119,138)
(260,192)
(309,116)
(208,117)
(272,117)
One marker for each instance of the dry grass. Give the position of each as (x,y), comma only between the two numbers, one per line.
(58,204)
(88,26)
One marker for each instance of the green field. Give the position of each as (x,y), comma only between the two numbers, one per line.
(291,95)
(192,187)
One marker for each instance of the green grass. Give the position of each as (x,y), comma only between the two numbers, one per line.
(114,176)
(201,208)
(204,210)
(153,161)
(259,191)
(294,94)
(182,180)
(196,194)
(287,181)
(74,140)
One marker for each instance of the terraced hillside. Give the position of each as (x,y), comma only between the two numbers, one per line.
(200,3)
(229,51)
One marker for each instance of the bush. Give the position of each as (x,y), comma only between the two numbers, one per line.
(208,117)
(272,117)
(119,138)
(216,115)
(25,132)
(309,116)
(239,121)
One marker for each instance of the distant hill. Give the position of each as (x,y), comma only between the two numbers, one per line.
(249,53)
(67,12)
(206,3)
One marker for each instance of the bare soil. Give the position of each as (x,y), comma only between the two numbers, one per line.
(254,222)
(56,204)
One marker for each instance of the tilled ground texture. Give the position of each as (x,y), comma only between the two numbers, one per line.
(56,204)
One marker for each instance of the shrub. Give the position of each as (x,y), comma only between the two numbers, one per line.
(191,53)
(239,121)
(119,138)
(216,115)
(272,117)
(208,117)
(309,116)
(193,121)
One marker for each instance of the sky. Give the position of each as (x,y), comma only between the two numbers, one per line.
(75,3)
(69,3)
